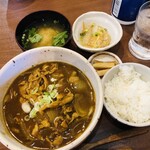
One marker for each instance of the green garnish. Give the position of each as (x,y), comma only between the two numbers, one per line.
(47,98)
(30,36)
(35,38)
(60,38)
(96,34)
(83,33)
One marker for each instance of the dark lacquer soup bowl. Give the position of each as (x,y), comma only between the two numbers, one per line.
(43,28)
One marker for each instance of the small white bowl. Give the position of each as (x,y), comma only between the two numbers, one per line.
(26,60)
(105,57)
(101,19)
(144,71)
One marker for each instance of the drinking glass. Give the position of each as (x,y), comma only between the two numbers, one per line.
(139,44)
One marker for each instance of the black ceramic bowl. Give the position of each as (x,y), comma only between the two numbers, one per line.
(42,17)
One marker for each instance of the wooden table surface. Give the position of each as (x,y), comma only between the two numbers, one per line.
(12,11)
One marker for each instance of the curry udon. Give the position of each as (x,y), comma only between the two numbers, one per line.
(49,105)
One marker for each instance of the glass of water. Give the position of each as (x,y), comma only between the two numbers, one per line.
(139,44)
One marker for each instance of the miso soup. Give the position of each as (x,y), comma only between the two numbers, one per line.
(46,33)
(49,105)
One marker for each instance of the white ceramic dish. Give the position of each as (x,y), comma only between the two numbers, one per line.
(24,61)
(104,57)
(144,71)
(102,19)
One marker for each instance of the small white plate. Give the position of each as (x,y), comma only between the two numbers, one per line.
(101,19)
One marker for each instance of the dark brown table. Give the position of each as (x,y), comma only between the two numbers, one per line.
(12,11)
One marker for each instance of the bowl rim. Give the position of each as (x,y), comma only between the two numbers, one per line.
(41,11)
(97,49)
(113,115)
(97,114)
(105,53)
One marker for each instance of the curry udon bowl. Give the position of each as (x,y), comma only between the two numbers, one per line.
(11,70)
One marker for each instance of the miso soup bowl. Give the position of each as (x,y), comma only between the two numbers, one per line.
(41,18)
(26,60)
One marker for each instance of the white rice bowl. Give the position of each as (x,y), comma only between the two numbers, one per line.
(127,93)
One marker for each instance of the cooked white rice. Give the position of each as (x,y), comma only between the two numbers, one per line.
(128,96)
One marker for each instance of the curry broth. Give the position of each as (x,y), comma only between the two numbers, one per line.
(49,105)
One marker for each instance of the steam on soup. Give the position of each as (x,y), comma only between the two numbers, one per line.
(49,105)
(49,33)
